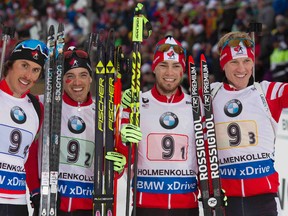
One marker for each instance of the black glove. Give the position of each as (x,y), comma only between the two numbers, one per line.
(35,203)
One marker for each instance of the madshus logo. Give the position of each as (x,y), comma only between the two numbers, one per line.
(76,125)
(233,108)
(18,115)
(168,120)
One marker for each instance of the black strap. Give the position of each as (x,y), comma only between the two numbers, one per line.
(36,104)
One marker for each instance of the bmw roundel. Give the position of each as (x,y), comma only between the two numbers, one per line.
(169,120)
(233,108)
(76,125)
(18,115)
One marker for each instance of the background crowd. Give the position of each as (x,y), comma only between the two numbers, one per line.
(197,24)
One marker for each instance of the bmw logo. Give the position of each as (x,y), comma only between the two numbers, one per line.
(169,120)
(76,125)
(18,115)
(233,108)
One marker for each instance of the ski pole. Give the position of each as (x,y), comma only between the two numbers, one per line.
(7,33)
(138,33)
(254,28)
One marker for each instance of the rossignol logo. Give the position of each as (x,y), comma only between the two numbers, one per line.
(212,148)
(169,120)
(200,149)
(18,115)
(233,108)
(76,125)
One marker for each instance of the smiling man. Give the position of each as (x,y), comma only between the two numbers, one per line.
(19,125)
(167,154)
(246,115)
(76,165)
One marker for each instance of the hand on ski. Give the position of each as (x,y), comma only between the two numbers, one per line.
(126,98)
(131,133)
(118,159)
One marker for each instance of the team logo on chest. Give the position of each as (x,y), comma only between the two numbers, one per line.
(233,108)
(168,120)
(76,125)
(18,115)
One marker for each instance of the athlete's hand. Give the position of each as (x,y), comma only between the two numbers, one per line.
(118,159)
(131,133)
(35,203)
(126,98)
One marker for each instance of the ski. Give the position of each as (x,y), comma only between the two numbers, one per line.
(199,137)
(99,125)
(138,33)
(104,121)
(109,122)
(56,119)
(206,145)
(49,68)
(215,200)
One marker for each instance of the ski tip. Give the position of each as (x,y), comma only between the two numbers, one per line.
(51,30)
(60,27)
(190,59)
(203,57)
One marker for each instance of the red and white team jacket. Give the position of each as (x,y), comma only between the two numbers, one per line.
(77,155)
(167,165)
(245,137)
(19,124)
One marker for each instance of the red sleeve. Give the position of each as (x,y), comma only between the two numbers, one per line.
(277,98)
(31,167)
(32,164)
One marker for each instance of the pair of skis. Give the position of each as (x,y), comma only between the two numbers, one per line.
(52,122)
(107,121)
(206,145)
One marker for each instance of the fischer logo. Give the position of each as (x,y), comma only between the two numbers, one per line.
(101,105)
(111,105)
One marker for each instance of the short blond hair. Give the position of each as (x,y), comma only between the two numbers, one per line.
(230,35)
